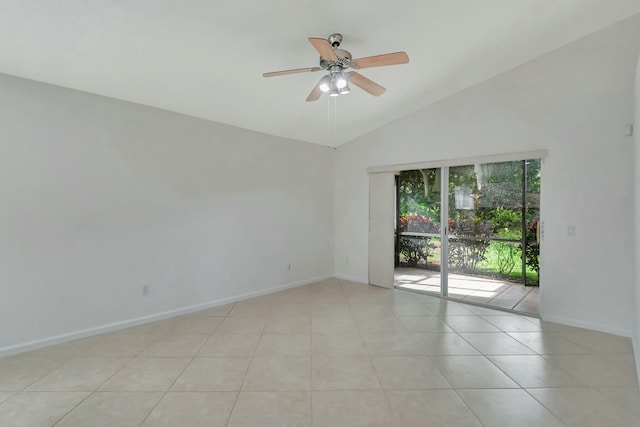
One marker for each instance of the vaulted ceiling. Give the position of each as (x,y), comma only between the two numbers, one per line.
(206,58)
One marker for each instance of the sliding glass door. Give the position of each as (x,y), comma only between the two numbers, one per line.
(488,251)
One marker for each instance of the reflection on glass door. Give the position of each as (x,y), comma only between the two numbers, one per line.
(490,242)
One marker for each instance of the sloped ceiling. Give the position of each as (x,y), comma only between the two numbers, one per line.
(206,58)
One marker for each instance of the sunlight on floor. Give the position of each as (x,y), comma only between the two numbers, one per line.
(477,289)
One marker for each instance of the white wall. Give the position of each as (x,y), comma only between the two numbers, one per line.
(100,197)
(636,329)
(575,102)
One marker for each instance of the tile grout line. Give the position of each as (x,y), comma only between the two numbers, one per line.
(45,375)
(180,374)
(468,407)
(544,406)
(372,364)
(246,374)
(91,393)
(165,393)
(521,299)
(72,409)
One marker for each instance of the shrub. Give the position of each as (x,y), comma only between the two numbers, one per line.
(532,251)
(416,223)
(465,254)
(416,249)
(505,218)
(506,256)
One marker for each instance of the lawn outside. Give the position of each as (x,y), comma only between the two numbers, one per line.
(498,260)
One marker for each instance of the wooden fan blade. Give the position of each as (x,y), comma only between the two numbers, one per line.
(294,71)
(315,93)
(380,60)
(324,48)
(365,84)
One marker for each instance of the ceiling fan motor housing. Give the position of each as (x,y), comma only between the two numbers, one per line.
(335,40)
(344,59)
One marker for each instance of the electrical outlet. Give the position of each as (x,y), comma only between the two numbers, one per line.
(145,291)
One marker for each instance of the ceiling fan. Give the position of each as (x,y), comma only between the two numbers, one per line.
(336,61)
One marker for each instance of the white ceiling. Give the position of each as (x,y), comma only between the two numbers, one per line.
(205,58)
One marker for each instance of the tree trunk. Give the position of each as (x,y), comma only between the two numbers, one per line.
(425,178)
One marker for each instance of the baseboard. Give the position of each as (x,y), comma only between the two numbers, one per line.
(71,336)
(352,279)
(587,325)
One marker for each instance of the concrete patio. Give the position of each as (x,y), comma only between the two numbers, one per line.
(483,290)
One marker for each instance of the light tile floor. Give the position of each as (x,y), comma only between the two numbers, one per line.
(334,353)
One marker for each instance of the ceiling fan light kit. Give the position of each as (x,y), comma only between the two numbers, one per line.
(336,61)
(335,83)
(325,84)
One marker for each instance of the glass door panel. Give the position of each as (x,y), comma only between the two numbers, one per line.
(487,229)
(418,231)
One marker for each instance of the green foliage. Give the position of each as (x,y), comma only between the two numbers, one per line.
(417,223)
(490,266)
(507,255)
(532,250)
(412,193)
(495,210)
(414,250)
(504,218)
(533,176)
(465,254)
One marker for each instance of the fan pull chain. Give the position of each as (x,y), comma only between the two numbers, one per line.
(329,117)
(332,123)
(335,118)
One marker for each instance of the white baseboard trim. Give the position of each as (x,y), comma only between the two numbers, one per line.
(352,279)
(84,333)
(587,325)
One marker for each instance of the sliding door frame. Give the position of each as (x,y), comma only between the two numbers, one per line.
(444,166)
(497,158)
(444,231)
